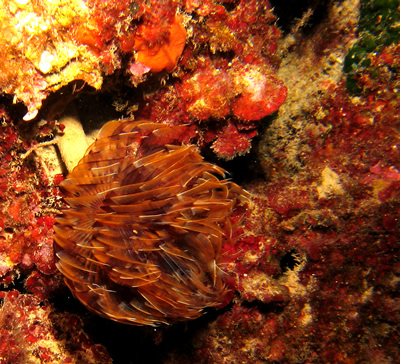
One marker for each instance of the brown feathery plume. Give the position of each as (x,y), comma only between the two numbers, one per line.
(141,240)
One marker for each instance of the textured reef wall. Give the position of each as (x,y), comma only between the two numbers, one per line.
(300,103)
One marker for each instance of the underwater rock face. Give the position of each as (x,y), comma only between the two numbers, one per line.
(314,264)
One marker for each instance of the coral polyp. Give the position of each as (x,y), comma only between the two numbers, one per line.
(141,242)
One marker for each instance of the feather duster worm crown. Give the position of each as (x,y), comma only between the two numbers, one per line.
(141,240)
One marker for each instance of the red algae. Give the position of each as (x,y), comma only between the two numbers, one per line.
(334,226)
(28,334)
(26,228)
(230,142)
(223,58)
(223,78)
(28,202)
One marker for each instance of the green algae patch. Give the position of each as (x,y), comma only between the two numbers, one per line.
(379,26)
